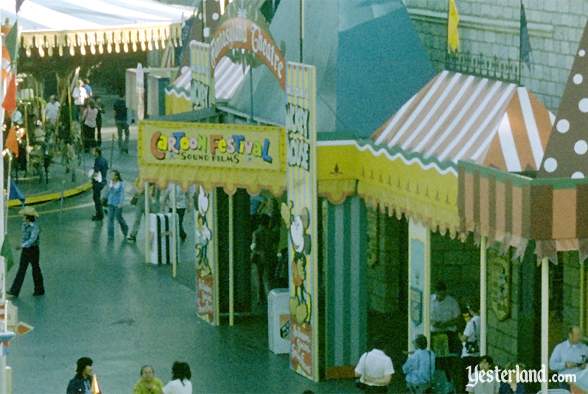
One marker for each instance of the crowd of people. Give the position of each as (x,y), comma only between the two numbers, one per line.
(86,382)
(433,369)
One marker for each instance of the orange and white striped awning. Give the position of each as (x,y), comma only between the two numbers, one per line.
(461,117)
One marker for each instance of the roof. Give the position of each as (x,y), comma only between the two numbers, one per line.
(461,117)
(47,24)
(568,146)
(357,63)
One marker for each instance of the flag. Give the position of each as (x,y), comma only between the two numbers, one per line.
(6,252)
(525,43)
(9,103)
(11,141)
(11,43)
(452,28)
(18,4)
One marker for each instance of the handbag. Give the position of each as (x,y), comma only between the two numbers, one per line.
(134,200)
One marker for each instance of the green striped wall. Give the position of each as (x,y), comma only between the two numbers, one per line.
(345,229)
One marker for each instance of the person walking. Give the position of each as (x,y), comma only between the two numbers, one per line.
(79,95)
(183,201)
(98,176)
(52,112)
(122,125)
(29,254)
(148,383)
(138,201)
(100,109)
(263,254)
(115,199)
(84,381)
(180,383)
(89,125)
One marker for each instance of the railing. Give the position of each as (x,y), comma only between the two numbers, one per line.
(480,65)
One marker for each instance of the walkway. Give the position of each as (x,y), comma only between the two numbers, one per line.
(103,301)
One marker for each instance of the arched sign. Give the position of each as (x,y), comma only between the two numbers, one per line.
(242,33)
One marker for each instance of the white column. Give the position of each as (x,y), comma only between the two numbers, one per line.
(147,233)
(582,297)
(231,264)
(483,294)
(427,287)
(544,317)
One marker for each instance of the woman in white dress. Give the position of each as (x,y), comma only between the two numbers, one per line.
(180,383)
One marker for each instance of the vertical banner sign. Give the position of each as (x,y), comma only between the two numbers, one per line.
(300,215)
(140,91)
(202,93)
(419,272)
(206,257)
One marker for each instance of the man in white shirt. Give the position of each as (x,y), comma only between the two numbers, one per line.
(571,356)
(52,111)
(79,95)
(375,369)
(445,316)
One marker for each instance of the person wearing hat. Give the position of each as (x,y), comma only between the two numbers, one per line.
(419,368)
(29,254)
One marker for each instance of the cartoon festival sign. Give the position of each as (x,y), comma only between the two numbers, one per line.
(211,145)
(206,270)
(300,215)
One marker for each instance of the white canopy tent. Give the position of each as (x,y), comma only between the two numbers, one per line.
(99,25)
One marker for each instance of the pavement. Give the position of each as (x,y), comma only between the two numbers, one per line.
(104,302)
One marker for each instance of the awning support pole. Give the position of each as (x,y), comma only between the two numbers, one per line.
(544,318)
(176,235)
(231,264)
(483,294)
(146,214)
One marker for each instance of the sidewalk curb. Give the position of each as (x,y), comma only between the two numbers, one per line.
(40,198)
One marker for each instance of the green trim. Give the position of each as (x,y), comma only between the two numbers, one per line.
(520,180)
(336,136)
(409,155)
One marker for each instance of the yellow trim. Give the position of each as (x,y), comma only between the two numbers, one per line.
(176,104)
(405,189)
(40,198)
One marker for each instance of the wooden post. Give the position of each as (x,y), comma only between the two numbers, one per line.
(176,224)
(544,318)
(483,295)
(147,233)
(231,263)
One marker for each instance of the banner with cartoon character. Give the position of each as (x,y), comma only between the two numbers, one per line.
(206,267)
(300,215)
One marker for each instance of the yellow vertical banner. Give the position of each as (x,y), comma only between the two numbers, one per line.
(207,305)
(452,27)
(300,215)
(202,89)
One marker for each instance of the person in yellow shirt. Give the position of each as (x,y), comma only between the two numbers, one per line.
(148,383)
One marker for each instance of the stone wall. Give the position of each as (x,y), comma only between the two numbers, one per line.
(458,265)
(492,28)
(571,288)
(387,254)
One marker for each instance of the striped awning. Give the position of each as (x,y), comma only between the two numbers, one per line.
(511,210)
(228,77)
(461,117)
(96,26)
